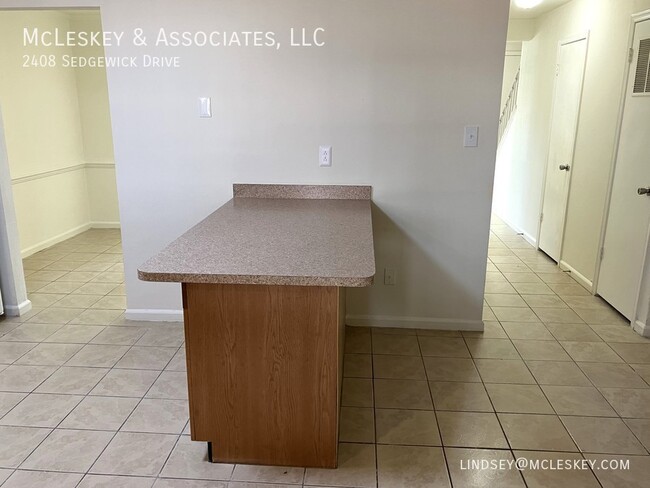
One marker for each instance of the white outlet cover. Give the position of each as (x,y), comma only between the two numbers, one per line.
(390,277)
(325,156)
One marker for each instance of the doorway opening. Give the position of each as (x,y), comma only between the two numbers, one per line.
(59,152)
(565,172)
(567,96)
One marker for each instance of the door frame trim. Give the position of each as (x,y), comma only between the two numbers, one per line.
(563,42)
(14,289)
(634,20)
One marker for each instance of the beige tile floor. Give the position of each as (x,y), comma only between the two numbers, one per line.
(89,399)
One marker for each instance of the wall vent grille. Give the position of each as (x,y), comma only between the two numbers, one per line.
(642,76)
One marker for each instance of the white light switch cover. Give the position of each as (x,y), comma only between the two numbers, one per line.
(205,107)
(471,136)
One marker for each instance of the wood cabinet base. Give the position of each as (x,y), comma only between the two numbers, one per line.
(264,368)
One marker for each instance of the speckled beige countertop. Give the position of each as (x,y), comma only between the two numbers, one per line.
(276,235)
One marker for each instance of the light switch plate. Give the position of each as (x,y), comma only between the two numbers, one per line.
(205,107)
(471,136)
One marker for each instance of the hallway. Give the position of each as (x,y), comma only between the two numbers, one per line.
(556,375)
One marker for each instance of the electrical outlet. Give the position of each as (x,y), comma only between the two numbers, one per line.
(325,156)
(390,276)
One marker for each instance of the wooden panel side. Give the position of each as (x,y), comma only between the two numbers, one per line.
(341,342)
(263,372)
(191,336)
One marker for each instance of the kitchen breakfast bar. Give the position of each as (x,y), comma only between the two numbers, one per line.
(263,282)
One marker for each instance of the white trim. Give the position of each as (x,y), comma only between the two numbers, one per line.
(641,16)
(104,225)
(100,165)
(641,328)
(153,315)
(12,275)
(21,309)
(579,277)
(54,240)
(60,171)
(530,239)
(25,253)
(51,5)
(430,323)
(143,314)
(47,174)
(514,48)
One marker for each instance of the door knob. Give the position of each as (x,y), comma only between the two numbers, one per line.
(564,167)
(643,191)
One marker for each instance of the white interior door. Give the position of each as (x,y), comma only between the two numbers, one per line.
(564,124)
(629,213)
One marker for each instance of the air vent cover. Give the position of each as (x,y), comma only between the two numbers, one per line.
(642,77)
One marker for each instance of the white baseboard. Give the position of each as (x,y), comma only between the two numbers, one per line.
(352,320)
(104,225)
(588,284)
(18,310)
(153,315)
(25,253)
(54,240)
(413,322)
(641,328)
(530,239)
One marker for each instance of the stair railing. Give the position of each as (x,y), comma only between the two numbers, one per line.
(509,107)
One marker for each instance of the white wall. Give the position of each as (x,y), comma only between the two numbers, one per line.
(506,173)
(55,120)
(519,180)
(95,120)
(389,92)
(521,29)
(43,135)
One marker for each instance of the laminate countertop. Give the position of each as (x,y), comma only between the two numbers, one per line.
(276,235)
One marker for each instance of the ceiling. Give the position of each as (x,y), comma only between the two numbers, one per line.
(531,13)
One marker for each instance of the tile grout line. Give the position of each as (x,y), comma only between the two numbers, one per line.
(435,412)
(107,372)
(33,391)
(372,354)
(374,406)
(573,361)
(130,414)
(505,436)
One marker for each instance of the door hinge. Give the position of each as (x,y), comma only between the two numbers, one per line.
(557,69)
(630,57)
(541,217)
(602,253)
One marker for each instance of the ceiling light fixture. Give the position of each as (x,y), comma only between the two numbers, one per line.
(527,3)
